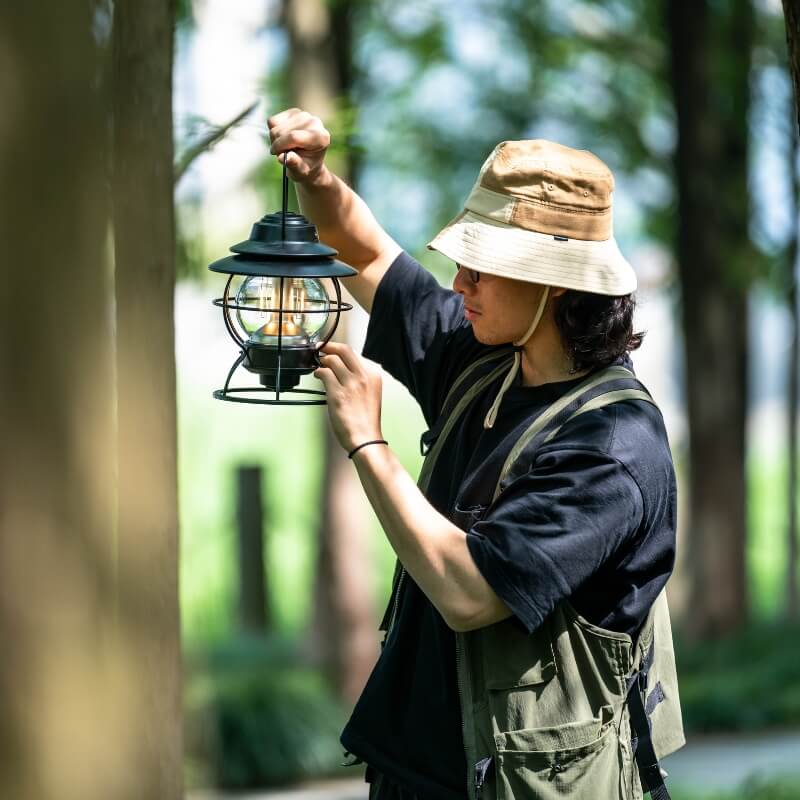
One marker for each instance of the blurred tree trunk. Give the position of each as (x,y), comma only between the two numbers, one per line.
(710,65)
(791,9)
(793,409)
(90,679)
(320,74)
(791,12)
(144,237)
(253,611)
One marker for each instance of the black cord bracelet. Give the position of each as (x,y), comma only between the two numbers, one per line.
(373,441)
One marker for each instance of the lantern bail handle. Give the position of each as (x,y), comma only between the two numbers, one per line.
(285,203)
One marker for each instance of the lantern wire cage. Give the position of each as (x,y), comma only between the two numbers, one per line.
(282,377)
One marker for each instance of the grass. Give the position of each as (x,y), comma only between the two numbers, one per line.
(767,523)
(755,789)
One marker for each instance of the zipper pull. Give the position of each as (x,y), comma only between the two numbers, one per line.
(481,769)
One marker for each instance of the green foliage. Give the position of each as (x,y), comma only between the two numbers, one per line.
(184,14)
(754,789)
(746,682)
(592,75)
(767,511)
(256,716)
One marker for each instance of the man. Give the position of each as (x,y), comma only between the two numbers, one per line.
(536,549)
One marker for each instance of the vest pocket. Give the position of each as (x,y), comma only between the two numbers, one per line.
(579,760)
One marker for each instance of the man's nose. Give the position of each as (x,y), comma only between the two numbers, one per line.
(461,283)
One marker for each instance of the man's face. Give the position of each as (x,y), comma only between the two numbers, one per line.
(499,309)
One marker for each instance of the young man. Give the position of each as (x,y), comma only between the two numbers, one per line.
(528,641)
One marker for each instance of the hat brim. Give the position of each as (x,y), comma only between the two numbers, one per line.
(497,248)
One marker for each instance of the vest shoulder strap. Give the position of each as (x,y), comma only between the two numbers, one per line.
(611,385)
(459,387)
(469,384)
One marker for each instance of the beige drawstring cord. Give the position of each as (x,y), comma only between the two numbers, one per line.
(491,416)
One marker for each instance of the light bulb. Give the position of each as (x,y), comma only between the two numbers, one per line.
(305,317)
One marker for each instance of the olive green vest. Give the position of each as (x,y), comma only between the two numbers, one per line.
(549,715)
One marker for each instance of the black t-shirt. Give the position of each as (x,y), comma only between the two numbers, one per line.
(592,521)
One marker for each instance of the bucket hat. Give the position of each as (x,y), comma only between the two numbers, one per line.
(541,212)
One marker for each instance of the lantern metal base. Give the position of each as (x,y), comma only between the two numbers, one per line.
(230,393)
(280,370)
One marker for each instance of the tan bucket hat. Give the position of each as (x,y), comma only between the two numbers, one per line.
(541,212)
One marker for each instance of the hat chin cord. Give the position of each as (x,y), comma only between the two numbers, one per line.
(491,416)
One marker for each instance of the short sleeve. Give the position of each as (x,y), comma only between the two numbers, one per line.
(555,527)
(417,333)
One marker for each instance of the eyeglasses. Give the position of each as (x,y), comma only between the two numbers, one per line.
(474,275)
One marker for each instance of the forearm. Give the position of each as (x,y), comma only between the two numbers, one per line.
(433,550)
(343,219)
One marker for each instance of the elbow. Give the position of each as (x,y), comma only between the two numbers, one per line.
(462,619)
(471,616)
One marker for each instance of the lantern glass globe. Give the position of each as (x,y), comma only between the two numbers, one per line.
(304,307)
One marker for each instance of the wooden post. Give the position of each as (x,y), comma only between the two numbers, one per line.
(253,611)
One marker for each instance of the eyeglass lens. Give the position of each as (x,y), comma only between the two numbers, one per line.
(474,275)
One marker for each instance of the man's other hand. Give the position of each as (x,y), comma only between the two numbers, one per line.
(353,385)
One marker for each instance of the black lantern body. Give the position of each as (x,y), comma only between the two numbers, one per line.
(287,306)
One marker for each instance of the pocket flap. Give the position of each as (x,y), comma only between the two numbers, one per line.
(569,736)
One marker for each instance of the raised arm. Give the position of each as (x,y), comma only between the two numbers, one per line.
(342,218)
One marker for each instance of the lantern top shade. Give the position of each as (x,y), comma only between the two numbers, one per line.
(283,245)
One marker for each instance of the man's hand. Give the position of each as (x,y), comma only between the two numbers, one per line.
(353,386)
(306,136)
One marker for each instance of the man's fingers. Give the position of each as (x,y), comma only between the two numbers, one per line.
(282,117)
(327,377)
(297,167)
(332,362)
(347,355)
(296,139)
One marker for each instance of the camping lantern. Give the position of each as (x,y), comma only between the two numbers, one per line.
(281,305)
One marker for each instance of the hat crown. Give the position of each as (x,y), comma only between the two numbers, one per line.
(548,188)
(549,172)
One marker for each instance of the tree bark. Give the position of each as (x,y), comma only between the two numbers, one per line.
(89,685)
(710,63)
(344,627)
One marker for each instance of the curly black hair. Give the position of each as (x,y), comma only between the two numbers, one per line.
(596,329)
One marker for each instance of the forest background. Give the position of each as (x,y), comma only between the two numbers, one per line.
(691,106)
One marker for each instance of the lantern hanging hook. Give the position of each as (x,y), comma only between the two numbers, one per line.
(285,203)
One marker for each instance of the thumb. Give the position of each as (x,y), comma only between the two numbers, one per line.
(296,166)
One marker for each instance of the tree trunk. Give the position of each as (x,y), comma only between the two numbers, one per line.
(90,684)
(792,413)
(710,60)
(792,14)
(145,370)
(344,625)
